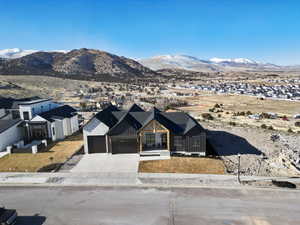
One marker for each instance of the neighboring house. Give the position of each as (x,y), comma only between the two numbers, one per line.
(42,118)
(55,124)
(25,108)
(10,133)
(136,131)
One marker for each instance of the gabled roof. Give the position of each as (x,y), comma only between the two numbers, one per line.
(61,112)
(177,122)
(6,124)
(106,116)
(135,108)
(155,114)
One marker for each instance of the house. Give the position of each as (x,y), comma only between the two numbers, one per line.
(10,133)
(55,124)
(25,108)
(41,118)
(137,131)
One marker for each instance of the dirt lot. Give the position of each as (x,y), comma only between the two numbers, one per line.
(183,165)
(242,103)
(260,155)
(26,162)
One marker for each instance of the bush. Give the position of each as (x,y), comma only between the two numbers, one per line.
(270,128)
(264,126)
(290,130)
(217,106)
(207,116)
(219,115)
(231,123)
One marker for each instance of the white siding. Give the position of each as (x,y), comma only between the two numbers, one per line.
(74,124)
(59,130)
(10,136)
(94,127)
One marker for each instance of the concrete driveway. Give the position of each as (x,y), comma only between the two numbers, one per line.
(105,163)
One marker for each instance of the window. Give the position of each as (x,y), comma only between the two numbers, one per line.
(26,115)
(150,139)
(53,130)
(15,114)
(178,143)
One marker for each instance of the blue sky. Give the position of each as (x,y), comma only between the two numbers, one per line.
(263,30)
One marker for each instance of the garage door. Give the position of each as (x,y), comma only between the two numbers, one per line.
(124,145)
(96,144)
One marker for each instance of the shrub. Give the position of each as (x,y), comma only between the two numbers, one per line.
(290,130)
(219,115)
(231,123)
(207,116)
(270,128)
(264,126)
(217,106)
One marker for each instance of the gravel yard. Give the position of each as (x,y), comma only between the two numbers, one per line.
(260,155)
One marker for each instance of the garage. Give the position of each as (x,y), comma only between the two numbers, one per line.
(124,145)
(96,144)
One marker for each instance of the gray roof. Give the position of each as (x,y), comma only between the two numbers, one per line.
(61,112)
(6,124)
(177,122)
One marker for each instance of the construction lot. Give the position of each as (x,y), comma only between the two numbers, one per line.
(57,153)
(262,152)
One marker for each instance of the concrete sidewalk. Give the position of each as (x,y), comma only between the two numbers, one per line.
(134,179)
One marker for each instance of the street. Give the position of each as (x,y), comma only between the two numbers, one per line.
(151,206)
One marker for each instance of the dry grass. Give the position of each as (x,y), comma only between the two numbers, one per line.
(183,165)
(26,162)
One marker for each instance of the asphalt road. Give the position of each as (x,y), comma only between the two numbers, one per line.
(149,206)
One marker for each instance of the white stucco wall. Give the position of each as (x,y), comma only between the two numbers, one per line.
(93,128)
(10,136)
(37,108)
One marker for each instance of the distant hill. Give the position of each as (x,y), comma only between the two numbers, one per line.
(212,65)
(78,64)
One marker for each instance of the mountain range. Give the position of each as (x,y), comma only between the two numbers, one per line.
(94,64)
(78,63)
(212,65)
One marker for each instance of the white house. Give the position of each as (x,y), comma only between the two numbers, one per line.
(25,108)
(10,133)
(55,124)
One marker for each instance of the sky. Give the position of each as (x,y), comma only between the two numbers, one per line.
(263,30)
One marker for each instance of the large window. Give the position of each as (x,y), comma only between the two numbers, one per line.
(150,139)
(178,143)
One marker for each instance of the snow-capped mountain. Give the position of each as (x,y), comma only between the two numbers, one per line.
(14,53)
(215,64)
(237,60)
(178,62)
